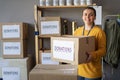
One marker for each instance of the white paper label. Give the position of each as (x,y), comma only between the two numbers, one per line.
(63,50)
(11,73)
(50,27)
(11,31)
(46,59)
(11,48)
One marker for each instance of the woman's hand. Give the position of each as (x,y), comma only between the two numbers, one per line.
(89,57)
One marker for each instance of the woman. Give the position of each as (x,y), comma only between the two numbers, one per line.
(92,69)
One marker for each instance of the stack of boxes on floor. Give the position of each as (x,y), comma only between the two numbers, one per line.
(63,49)
(15,64)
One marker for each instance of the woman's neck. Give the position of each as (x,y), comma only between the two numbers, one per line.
(88,27)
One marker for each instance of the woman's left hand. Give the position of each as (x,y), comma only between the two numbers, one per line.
(89,58)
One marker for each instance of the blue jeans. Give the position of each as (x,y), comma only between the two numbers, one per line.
(83,78)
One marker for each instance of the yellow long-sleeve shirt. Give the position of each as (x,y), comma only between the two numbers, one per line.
(93,69)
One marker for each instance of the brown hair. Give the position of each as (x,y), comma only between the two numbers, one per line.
(91,9)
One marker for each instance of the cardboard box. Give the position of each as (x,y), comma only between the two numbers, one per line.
(16,69)
(14,48)
(71,49)
(14,31)
(49,26)
(45,57)
(53,72)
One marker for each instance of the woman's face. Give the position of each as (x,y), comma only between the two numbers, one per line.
(88,16)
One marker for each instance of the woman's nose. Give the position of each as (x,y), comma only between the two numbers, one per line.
(87,16)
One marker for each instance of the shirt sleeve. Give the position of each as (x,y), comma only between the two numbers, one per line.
(101,45)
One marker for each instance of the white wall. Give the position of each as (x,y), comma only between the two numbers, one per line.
(19,11)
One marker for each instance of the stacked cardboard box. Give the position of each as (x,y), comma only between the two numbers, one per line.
(49,26)
(53,26)
(15,64)
(16,69)
(14,36)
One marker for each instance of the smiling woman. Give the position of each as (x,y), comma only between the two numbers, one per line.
(92,69)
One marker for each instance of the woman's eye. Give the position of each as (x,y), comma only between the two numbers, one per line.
(86,14)
(91,14)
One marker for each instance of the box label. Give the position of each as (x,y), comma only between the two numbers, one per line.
(50,27)
(11,31)
(63,50)
(11,73)
(11,48)
(46,59)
